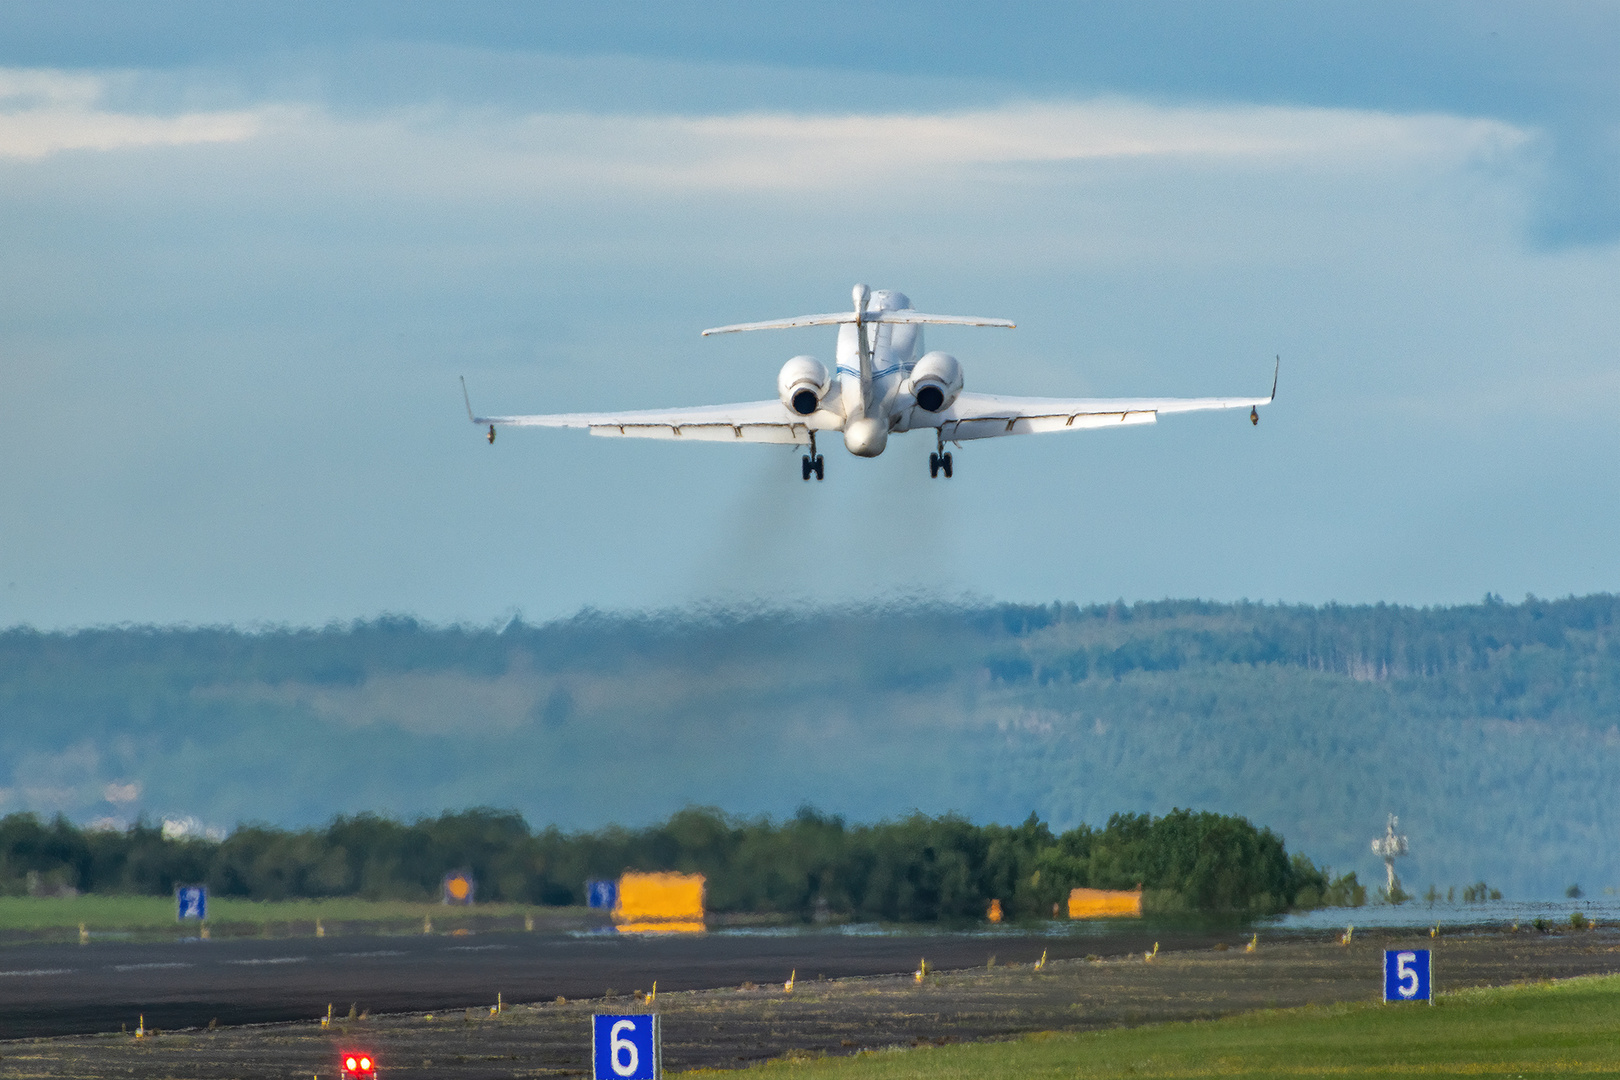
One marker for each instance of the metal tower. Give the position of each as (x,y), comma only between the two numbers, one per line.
(1387,847)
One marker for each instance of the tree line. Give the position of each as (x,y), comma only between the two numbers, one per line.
(810,866)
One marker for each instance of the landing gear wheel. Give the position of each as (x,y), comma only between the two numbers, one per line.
(945,463)
(805,467)
(933,466)
(821,468)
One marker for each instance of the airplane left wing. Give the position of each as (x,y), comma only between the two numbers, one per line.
(749,421)
(989,416)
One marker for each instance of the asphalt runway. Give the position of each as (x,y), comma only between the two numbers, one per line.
(744,1024)
(64,989)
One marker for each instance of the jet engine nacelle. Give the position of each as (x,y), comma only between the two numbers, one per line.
(935,381)
(802,384)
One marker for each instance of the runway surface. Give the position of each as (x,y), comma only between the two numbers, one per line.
(743,1024)
(75,989)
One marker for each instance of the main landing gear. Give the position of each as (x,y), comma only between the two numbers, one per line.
(813,462)
(939,462)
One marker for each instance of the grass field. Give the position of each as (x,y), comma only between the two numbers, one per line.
(1566,1028)
(105,913)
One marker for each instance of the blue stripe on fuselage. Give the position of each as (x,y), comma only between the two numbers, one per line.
(878,373)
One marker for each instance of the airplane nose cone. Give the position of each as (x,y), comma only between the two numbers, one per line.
(865,437)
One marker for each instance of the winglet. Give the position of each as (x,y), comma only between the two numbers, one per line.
(479,420)
(1275,371)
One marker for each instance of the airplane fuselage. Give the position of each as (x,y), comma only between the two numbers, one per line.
(883,404)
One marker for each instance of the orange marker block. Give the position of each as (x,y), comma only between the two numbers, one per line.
(660,904)
(1105,903)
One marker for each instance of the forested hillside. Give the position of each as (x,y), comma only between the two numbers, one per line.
(1490,728)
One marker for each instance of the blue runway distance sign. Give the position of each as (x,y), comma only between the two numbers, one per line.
(191,902)
(1408,975)
(626,1048)
(602,893)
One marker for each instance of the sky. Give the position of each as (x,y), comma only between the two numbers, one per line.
(246,251)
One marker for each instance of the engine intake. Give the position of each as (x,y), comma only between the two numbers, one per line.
(802,383)
(935,381)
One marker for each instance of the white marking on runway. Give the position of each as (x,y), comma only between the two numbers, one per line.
(473,948)
(147,967)
(272,960)
(376,952)
(37,971)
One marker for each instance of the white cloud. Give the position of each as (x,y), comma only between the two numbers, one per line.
(188,826)
(122,793)
(793,151)
(46,112)
(32,88)
(37,133)
(43,113)
(790,150)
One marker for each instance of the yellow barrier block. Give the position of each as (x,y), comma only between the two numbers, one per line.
(1105,903)
(660,904)
(662,927)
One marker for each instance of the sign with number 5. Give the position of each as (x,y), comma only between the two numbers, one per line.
(626,1048)
(1407,975)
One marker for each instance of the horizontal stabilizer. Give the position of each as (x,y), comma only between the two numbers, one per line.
(871,317)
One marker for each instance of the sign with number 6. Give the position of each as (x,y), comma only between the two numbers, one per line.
(1407,975)
(626,1048)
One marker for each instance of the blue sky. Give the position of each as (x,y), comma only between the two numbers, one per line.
(245,251)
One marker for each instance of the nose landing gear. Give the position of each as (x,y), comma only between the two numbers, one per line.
(939,462)
(813,462)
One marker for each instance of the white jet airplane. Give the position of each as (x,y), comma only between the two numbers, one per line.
(883,383)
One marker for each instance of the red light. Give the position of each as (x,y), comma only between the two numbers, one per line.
(357,1065)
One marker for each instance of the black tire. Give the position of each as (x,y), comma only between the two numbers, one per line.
(933,466)
(804,467)
(945,463)
(821,467)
